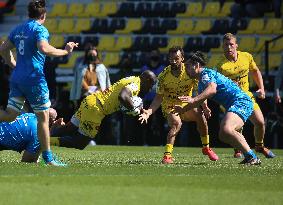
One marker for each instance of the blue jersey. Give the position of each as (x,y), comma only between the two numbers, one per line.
(228,94)
(30,62)
(20,134)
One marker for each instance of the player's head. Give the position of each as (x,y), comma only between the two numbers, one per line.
(37,10)
(230,44)
(52,115)
(194,64)
(148,79)
(176,57)
(91,54)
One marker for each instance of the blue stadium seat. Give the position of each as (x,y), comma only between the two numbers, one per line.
(90,39)
(159,42)
(126,9)
(162,9)
(144,9)
(178,7)
(210,42)
(193,44)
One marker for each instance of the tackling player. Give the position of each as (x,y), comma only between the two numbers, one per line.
(174,82)
(225,92)
(237,65)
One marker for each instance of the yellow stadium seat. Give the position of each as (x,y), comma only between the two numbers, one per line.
(51,24)
(201,25)
(123,42)
(72,60)
(65,25)
(193,9)
(210,9)
(58,9)
(274,60)
(277,46)
(258,60)
(174,41)
(184,27)
(75,9)
(111,58)
(57,41)
(247,44)
(91,10)
(260,46)
(225,10)
(82,24)
(214,59)
(131,25)
(107,8)
(273,26)
(106,43)
(255,26)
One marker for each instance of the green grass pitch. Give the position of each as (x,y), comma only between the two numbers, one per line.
(134,175)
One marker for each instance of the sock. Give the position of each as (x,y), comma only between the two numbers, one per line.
(47,156)
(250,154)
(168,149)
(205,140)
(54,141)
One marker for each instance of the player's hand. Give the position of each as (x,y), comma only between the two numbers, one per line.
(143,117)
(277,98)
(186,99)
(206,112)
(70,46)
(261,93)
(178,110)
(56,124)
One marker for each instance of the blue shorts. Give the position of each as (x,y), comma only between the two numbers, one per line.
(243,107)
(37,96)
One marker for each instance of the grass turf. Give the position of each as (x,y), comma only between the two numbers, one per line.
(134,175)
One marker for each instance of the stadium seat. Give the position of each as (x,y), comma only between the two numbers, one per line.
(123,42)
(168,24)
(65,25)
(132,24)
(277,46)
(211,42)
(75,9)
(90,40)
(193,9)
(193,44)
(51,24)
(260,46)
(214,59)
(107,8)
(106,43)
(219,26)
(82,24)
(237,24)
(144,9)
(91,9)
(57,41)
(126,9)
(178,7)
(201,25)
(258,60)
(162,9)
(159,42)
(71,61)
(254,26)
(141,43)
(111,58)
(99,26)
(117,24)
(273,26)
(247,44)
(173,41)
(274,60)
(58,9)
(184,26)
(210,9)
(225,10)
(151,25)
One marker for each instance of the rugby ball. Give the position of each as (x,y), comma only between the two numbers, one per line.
(138,105)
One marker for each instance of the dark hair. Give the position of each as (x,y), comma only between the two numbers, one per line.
(197,57)
(87,58)
(175,49)
(36,8)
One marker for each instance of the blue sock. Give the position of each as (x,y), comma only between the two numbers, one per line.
(47,156)
(250,154)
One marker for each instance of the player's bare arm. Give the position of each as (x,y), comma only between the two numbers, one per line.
(125,98)
(196,101)
(152,108)
(257,77)
(49,50)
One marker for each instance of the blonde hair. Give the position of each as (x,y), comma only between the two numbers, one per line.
(229,36)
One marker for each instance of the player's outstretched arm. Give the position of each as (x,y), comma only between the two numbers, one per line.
(47,49)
